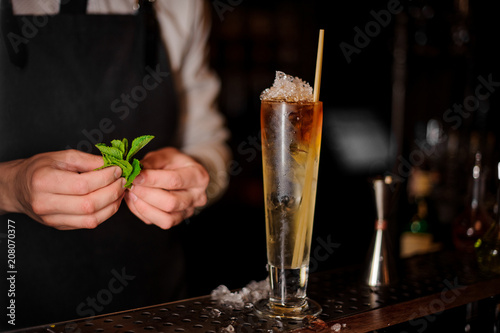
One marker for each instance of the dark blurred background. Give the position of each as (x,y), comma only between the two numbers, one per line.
(408,89)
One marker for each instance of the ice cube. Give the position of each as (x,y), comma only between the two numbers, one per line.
(336,327)
(215,313)
(252,293)
(220,291)
(287,88)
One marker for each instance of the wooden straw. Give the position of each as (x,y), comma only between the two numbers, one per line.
(307,208)
(319,63)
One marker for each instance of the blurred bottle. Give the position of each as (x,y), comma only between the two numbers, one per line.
(488,246)
(417,236)
(473,222)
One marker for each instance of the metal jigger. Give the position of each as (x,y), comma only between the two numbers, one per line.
(381,266)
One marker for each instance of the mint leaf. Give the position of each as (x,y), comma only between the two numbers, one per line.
(120,146)
(107,162)
(109,151)
(124,165)
(116,153)
(136,169)
(138,144)
(125,146)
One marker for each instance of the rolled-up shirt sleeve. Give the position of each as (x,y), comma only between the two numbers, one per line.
(185,27)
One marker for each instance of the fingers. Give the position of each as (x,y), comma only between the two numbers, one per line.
(152,215)
(72,222)
(167,197)
(191,176)
(168,189)
(79,204)
(160,159)
(77,161)
(62,190)
(170,201)
(63,182)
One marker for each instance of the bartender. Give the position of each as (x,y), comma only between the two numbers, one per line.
(76,73)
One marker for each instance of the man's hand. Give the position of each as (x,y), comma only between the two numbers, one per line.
(168,189)
(60,189)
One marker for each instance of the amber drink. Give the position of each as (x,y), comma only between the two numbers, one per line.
(291,138)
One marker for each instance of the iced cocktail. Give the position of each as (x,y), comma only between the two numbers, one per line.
(291,136)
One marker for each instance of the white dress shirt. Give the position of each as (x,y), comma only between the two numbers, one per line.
(185,27)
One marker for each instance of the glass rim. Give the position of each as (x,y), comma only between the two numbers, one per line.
(291,103)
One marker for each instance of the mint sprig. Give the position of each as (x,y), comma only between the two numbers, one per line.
(119,154)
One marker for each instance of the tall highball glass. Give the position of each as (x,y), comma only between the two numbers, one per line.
(291,140)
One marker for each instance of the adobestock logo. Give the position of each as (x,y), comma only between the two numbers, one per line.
(453,116)
(471,103)
(221,6)
(94,305)
(116,284)
(421,318)
(250,149)
(29,28)
(122,107)
(321,252)
(372,29)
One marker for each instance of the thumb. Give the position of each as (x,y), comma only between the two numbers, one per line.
(79,161)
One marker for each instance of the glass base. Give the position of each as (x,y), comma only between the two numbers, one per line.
(263,308)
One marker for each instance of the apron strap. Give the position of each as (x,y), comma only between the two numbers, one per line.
(73,7)
(15,43)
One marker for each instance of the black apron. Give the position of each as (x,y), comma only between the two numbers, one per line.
(69,81)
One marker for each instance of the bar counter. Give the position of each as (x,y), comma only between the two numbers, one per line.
(429,285)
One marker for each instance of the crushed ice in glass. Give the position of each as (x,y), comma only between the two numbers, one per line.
(251,293)
(287,88)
